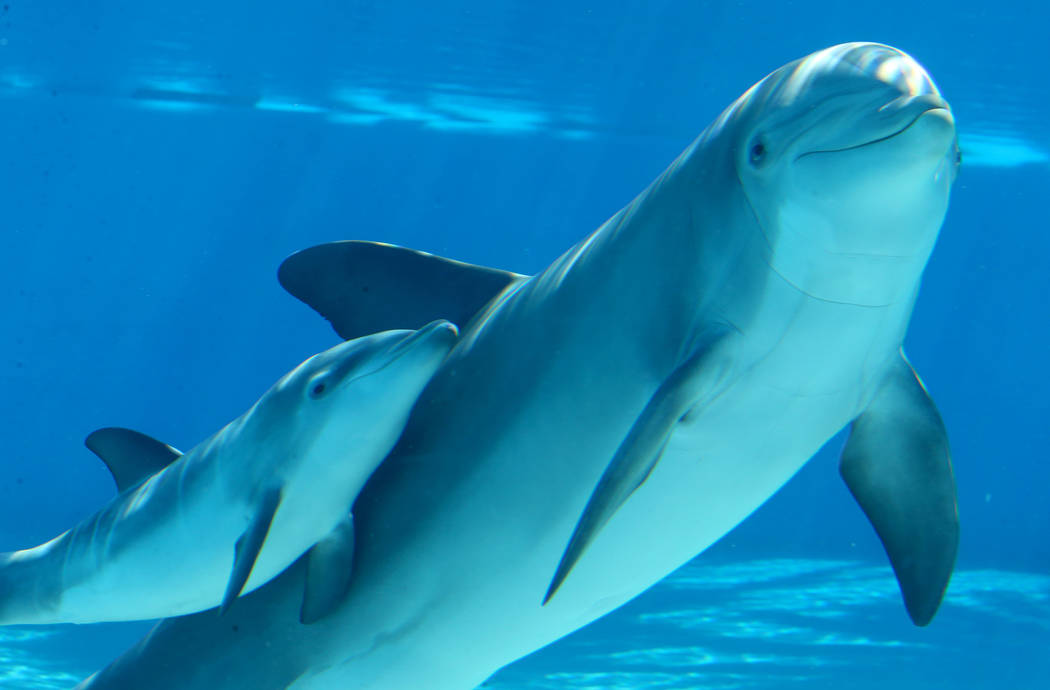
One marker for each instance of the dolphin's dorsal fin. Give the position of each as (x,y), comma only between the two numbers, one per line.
(897,465)
(329,564)
(367,287)
(130,455)
(249,544)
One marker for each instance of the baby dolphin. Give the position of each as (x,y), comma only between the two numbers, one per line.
(241,506)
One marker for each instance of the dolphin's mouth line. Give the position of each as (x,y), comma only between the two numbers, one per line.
(902,130)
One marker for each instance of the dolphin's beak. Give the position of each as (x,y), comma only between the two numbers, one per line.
(434,339)
(896,117)
(440,333)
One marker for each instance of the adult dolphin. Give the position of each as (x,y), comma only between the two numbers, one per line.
(661,379)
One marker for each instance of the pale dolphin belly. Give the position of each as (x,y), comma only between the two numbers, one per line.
(449,588)
(722,464)
(470,569)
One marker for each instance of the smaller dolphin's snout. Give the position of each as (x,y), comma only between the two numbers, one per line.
(441,331)
(368,355)
(439,335)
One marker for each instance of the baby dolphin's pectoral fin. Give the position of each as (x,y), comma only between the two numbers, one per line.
(693,383)
(130,456)
(329,564)
(898,466)
(249,545)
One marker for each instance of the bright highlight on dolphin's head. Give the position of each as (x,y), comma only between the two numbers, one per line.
(858,151)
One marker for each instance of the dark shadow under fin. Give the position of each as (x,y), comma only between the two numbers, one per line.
(249,545)
(897,465)
(130,455)
(329,565)
(691,384)
(367,287)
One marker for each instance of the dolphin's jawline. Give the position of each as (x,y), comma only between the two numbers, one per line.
(873,142)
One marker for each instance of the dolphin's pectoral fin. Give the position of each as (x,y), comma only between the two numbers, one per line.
(898,467)
(366,287)
(130,456)
(248,546)
(693,383)
(329,566)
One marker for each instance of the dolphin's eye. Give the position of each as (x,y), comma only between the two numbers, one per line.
(318,389)
(758,152)
(958,156)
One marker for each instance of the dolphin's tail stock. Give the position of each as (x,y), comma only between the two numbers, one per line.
(12,589)
(27,588)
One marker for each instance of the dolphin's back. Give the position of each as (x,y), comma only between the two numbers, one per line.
(74,577)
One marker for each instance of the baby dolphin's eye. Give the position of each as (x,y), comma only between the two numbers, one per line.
(318,389)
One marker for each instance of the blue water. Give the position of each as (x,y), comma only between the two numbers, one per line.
(159,160)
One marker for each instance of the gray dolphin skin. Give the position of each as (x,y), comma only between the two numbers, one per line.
(601,423)
(190,532)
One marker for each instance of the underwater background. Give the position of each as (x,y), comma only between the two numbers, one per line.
(159,160)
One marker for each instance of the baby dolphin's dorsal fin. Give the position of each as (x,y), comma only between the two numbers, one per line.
(130,455)
(366,287)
